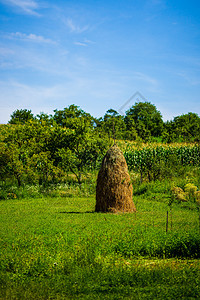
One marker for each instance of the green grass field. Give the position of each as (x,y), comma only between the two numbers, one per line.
(59,248)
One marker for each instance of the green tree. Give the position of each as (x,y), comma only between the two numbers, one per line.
(83,150)
(187,127)
(45,118)
(69,116)
(22,144)
(4,161)
(130,132)
(113,124)
(43,165)
(147,119)
(13,154)
(79,151)
(21,116)
(182,128)
(169,132)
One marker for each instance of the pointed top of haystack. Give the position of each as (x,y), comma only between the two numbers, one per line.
(114,151)
(113,156)
(114,188)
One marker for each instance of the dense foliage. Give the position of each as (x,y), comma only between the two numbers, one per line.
(43,149)
(141,122)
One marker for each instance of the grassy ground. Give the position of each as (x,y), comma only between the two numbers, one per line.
(58,248)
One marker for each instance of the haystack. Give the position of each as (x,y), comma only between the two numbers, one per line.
(114,189)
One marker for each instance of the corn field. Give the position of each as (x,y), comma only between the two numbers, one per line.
(159,161)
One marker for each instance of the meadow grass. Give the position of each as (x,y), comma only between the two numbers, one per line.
(59,248)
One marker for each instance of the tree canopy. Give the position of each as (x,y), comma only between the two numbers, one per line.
(21,116)
(42,149)
(141,121)
(146,119)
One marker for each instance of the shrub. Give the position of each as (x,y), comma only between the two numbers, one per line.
(178,194)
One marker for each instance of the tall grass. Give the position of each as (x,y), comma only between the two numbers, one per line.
(59,248)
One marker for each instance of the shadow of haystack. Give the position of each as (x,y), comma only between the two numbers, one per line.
(114,189)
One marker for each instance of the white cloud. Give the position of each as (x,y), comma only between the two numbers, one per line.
(52,60)
(80,44)
(145,78)
(16,95)
(74,27)
(92,94)
(31,37)
(84,43)
(27,6)
(71,25)
(88,41)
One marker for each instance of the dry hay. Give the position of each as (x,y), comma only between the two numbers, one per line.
(114,189)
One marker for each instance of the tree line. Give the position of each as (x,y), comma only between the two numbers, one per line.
(43,149)
(141,122)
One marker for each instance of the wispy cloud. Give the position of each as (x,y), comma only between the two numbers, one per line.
(30,37)
(19,95)
(145,78)
(26,6)
(84,43)
(25,55)
(80,44)
(73,27)
(100,92)
(190,79)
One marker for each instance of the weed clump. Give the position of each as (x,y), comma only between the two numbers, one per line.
(190,193)
(190,190)
(178,194)
(114,189)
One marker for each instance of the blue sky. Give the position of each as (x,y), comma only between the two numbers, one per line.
(97,54)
